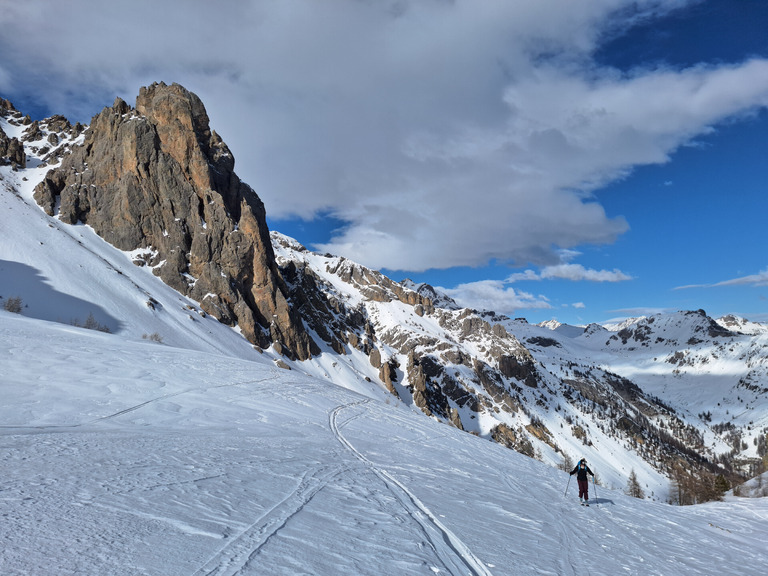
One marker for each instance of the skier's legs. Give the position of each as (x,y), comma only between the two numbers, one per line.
(584,489)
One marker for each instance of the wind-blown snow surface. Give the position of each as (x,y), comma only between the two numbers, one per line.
(130,457)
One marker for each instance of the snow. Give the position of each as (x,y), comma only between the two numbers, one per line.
(132,457)
(756,487)
(694,378)
(192,453)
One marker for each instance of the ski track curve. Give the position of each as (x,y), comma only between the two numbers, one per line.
(455,555)
(237,556)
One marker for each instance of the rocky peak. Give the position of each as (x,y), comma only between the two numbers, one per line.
(182,125)
(5,106)
(157,181)
(11,149)
(684,327)
(49,140)
(741,325)
(438,299)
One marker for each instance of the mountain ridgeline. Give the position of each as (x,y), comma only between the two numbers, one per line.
(683,396)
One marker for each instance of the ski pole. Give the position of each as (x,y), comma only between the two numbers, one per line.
(566,486)
(594,483)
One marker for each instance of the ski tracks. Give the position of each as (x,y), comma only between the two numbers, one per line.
(455,555)
(20,428)
(238,555)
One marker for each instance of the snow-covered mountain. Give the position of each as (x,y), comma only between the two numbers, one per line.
(172,421)
(663,392)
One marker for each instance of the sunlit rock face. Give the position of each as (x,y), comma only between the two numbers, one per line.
(157,181)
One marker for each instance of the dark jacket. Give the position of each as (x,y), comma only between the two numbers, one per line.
(581,473)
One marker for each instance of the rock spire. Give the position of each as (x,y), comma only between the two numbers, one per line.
(157,181)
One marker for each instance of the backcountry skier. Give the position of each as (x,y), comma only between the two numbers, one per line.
(581,472)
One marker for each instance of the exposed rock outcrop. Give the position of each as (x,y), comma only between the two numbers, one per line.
(157,179)
(12,152)
(11,149)
(58,144)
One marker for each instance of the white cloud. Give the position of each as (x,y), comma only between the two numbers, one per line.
(494,295)
(759,279)
(445,133)
(574,272)
(497,295)
(5,78)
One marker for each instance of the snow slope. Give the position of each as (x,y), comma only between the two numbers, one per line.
(133,457)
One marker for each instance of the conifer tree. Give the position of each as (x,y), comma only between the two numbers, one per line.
(633,486)
(721,485)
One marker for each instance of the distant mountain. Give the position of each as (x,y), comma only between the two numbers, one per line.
(736,324)
(679,397)
(563,329)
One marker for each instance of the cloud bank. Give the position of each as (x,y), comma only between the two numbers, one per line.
(574,272)
(499,296)
(443,133)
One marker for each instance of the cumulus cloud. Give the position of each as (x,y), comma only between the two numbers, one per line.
(494,295)
(443,133)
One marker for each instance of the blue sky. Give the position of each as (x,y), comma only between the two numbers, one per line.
(583,160)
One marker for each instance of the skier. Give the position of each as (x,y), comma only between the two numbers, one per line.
(581,472)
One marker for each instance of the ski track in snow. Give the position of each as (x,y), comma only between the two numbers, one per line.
(238,556)
(455,556)
(53,427)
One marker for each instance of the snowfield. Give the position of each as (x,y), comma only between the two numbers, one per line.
(133,457)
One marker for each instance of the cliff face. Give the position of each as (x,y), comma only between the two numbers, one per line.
(157,181)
